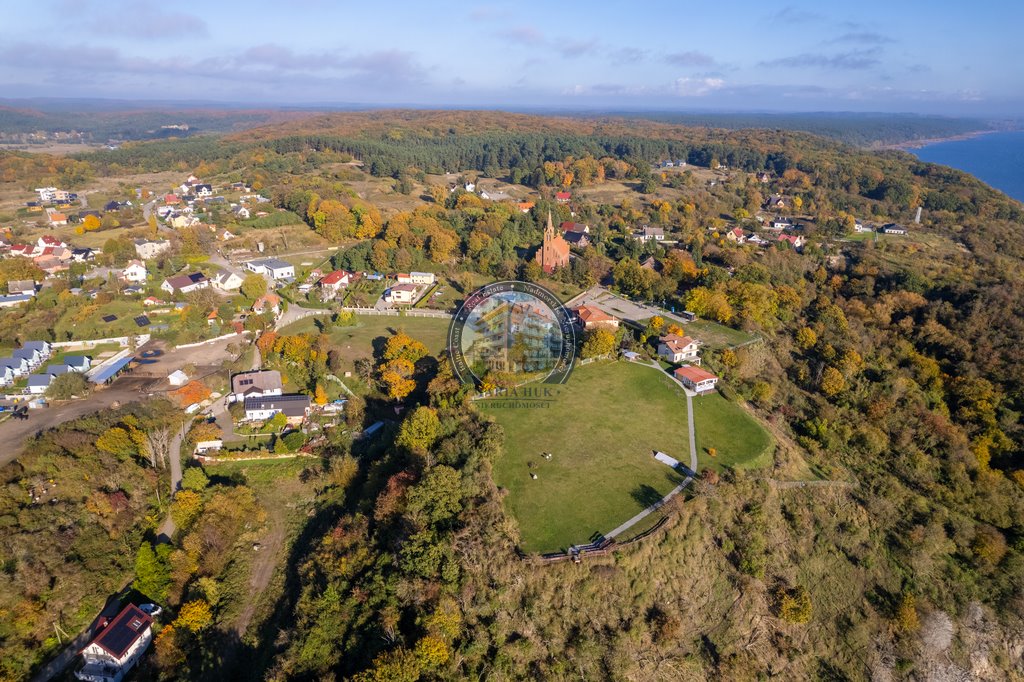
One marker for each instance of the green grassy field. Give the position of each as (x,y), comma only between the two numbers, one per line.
(602,428)
(356,341)
(740,441)
(716,336)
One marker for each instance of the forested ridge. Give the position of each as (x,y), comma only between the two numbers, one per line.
(891,369)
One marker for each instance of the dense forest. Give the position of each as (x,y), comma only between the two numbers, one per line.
(892,368)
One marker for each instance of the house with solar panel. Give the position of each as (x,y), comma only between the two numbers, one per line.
(117,648)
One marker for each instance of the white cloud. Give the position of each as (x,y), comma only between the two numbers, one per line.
(697,87)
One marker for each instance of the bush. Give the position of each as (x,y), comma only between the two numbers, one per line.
(69,385)
(727,391)
(293,440)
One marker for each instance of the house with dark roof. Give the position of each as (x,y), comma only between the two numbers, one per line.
(183,284)
(577,239)
(21,286)
(78,363)
(38,383)
(256,384)
(295,407)
(117,648)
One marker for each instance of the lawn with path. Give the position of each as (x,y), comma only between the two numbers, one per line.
(739,439)
(602,428)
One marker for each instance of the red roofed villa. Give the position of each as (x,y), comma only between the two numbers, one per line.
(592,318)
(696,379)
(563,197)
(117,648)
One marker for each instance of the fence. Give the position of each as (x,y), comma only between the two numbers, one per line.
(92,343)
(399,313)
(213,340)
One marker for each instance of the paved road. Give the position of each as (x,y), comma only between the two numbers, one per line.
(689,478)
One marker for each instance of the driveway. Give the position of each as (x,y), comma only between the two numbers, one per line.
(622,308)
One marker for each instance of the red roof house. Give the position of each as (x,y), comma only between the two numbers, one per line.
(696,379)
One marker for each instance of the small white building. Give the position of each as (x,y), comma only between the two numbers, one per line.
(648,233)
(177,378)
(135,271)
(151,248)
(275,268)
(416,278)
(227,281)
(696,379)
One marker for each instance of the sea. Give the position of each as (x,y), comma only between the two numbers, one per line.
(994,158)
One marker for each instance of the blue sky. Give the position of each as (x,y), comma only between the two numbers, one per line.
(898,55)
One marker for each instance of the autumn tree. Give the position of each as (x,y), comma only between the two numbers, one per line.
(599,342)
(396,375)
(420,429)
(832,381)
(253,286)
(194,616)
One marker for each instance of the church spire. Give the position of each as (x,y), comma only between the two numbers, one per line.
(549,232)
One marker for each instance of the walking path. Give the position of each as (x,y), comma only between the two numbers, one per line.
(692,471)
(168,527)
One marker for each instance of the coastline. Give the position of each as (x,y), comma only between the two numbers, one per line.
(917,144)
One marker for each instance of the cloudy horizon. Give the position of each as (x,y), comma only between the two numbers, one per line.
(744,57)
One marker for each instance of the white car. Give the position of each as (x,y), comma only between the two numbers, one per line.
(152,610)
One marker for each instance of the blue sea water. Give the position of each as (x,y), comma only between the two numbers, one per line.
(996,159)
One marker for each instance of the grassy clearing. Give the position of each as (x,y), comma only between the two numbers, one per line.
(738,438)
(716,336)
(602,428)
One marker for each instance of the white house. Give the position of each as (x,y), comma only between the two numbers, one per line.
(295,407)
(893,228)
(275,268)
(18,366)
(333,282)
(134,272)
(118,647)
(675,348)
(183,284)
(151,248)
(38,383)
(696,379)
(648,233)
(401,293)
(32,356)
(78,363)
(256,384)
(781,224)
(227,281)
(416,278)
(6,375)
(177,378)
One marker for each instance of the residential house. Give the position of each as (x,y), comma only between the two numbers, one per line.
(24,250)
(181,220)
(80,364)
(241,212)
(113,205)
(763,178)
(757,240)
(795,240)
(44,348)
(135,271)
(577,239)
(595,318)
(775,203)
(494,195)
(48,240)
(227,281)
(151,248)
(333,282)
(275,268)
(647,233)
(15,300)
(736,236)
(525,206)
(32,356)
(563,197)
(57,370)
(117,648)
(258,384)
(57,218)
(183,284)
(421,278)
(202,190)
(38,383)
(6,376)
(893,228)
(83,255)
(401,293)
(860,227)
(569,226)
(267,303)
(780,224)
(18,366)
(171,200)
(21,286)
(675,348)
(294,407)
(554,251)
(50,195)
(696,379)
(151,301)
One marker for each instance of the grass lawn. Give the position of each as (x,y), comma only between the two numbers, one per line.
(602,428)
(715,335)
(356,340)
(739,439)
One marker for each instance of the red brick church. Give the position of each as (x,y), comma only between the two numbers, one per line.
(554,252)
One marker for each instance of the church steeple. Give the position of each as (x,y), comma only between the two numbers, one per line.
(549,231)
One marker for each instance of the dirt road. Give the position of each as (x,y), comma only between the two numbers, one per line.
(125,389)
